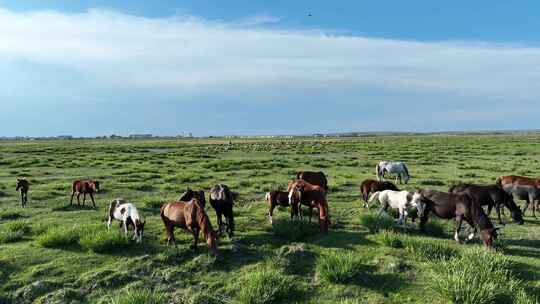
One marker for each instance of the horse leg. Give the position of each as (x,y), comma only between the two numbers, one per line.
(498,209)
(459,220)
(125,228)
(92,197)
(219,221)
(271,212)
(195,239)
(109,221)
(72,195)
(84,199)
(423,220)
(170,234)
(471,235)
(310,213)
(527,202)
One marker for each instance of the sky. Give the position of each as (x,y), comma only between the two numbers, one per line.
(88,68)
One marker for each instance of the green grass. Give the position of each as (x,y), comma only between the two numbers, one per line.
(265,286)
(363,259)
(339,267)
(141,296)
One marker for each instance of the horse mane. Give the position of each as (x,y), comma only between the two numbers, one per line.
(479,217)
(199,214)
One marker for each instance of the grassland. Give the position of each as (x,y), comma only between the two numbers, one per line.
(53,253)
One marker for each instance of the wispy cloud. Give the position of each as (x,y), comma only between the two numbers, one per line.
(117,54)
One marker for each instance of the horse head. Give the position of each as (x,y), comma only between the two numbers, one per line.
(414,199)
(139,229)
(421,205)
(488,235)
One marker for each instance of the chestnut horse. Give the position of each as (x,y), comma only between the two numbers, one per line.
(23,185)
(189,216)
(525,188)
(312,199)
(369,186)
(314,178)
(274,199)
(459,206)
(305,186)
(85,187)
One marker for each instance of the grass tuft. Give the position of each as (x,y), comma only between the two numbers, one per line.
(339,267)
(139,296)
(264,286)
(375,223)
(294,230)
(59,237)
(98,239)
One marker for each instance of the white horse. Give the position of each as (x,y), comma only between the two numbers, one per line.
(397,200)
(127,214)
(397,168)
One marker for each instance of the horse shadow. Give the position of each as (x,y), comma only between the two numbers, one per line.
(343,239)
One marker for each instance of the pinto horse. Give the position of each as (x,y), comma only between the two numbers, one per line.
(459,206)
(491,196)
(525,188)
(23,185)
(85,187)
(314,178)
(127,214)
(274,199)
(313,199)
(222,200)
(397,200)
(189,216)
(369,186)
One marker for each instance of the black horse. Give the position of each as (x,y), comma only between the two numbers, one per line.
(459,206)
(23,185)
(491,196)
(222,200)
(190,194)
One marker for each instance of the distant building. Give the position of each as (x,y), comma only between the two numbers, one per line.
(64,137)
(140,136)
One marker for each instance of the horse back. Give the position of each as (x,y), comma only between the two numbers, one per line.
(315,178)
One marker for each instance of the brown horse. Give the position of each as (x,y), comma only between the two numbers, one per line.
(305,186)
(274,199)
(459,206)
(525,188)
(312,199)
(315,178)
(23,185)
(369,186)
(85,187)
(189,216)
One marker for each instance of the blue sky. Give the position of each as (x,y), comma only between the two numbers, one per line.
(267,67)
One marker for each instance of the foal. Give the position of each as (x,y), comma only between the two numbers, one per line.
(23,185)
(274,199)
(189,216)
(84,187)
(127,214)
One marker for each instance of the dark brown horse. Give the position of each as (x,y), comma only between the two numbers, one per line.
(199,195)
(369,186)
(312,199)
(84,187)
(491,196)
(459,206)
(23,185)
(189,216)
(525,188)
(314,178)
(222,200)
(274,199)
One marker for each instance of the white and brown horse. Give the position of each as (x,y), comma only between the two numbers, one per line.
(128,215)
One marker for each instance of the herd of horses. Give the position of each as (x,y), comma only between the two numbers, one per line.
(463,202)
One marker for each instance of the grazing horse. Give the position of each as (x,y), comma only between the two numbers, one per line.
(189,216)
(127,214)
(397,168)
(369,186)
(397,200)
(23,185)
(491,196)
(222,200)
(525,188)
(276,198)
(314,178)
(300,183)
(199,195)
(312,199)
(85,187)
(459,206)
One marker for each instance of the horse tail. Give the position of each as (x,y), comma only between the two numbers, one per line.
(374,196)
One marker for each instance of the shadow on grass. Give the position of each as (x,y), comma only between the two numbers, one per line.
(74,207)
(343,239)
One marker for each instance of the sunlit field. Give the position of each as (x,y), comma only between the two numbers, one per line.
(51,252)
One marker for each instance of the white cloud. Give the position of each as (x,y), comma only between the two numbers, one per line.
(116,50)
